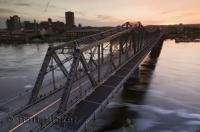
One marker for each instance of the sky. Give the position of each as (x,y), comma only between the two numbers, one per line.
(104,12)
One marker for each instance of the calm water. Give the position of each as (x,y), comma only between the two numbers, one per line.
(170,100)
(19,66)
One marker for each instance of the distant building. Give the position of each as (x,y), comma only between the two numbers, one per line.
(58,27)
(30,25)
(46,25)
(13,24)
(69,18)
(80,32)
(52,27)
(79,25)
(50,23)
(49,20)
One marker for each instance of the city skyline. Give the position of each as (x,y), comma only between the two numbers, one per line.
(99,13)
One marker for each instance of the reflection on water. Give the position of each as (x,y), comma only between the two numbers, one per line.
(164,99)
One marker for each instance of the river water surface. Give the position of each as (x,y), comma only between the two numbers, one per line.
(169,101)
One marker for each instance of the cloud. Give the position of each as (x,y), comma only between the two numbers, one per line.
(95,22)
(80,13)
(52,6)
(23,4)
(109,19)
(7,11)
(167,12)
(104,12)
(47,5)
(3,1)
(104,17)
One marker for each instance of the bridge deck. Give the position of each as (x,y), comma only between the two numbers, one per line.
(83,110)
(116,53)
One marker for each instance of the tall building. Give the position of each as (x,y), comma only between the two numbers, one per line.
(69,18)
(13,24)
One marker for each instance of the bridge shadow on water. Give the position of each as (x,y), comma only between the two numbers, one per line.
(119,117)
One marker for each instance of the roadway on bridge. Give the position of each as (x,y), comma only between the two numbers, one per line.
(78,116)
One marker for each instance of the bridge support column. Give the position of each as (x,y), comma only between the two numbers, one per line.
(99,63)
(120,53)
(102,54)
(68,85)
(41,76)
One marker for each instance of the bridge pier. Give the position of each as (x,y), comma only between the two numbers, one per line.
(153,56)
(150,62)
(155,53)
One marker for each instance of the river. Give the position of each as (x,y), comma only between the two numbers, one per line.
(169,101)
(19,66)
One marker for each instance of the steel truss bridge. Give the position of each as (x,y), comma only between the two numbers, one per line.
(79,78)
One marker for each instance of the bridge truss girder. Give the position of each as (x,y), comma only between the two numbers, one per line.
(86,57)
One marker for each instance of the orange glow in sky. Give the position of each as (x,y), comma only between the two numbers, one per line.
(106,12)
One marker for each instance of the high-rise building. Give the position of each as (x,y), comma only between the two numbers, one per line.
(69,18)
(13,24)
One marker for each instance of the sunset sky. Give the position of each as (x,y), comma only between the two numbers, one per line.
(104,12)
